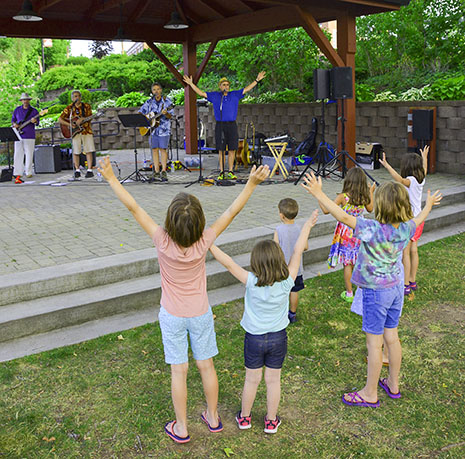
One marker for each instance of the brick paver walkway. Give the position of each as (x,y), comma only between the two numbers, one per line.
(48,225)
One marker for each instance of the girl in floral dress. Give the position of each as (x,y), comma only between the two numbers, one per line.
(356,196)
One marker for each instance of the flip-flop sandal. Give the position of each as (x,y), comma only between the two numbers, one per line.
(218,428)
(169,430)
(383,384)
(360,402)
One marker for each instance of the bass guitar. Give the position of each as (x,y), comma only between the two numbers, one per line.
(154,119)
(25,123)
(71,131)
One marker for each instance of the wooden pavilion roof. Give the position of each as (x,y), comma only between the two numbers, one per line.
(143,20)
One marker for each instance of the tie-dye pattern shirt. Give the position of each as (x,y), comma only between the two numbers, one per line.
(379,258)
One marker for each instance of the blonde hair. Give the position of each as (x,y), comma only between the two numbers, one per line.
(289,208)
(356,187)
(223,80)
(392,204)
(185,220)
(267,262)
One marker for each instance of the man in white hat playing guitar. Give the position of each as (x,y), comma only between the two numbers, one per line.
(23,114)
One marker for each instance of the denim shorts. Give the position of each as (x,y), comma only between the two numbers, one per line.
(174,332)
(298,284)
(266,350)
(382,308)
(158,141)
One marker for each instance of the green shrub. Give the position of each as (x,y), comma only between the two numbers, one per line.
(56,109)
(385,96)
(177,96)
(416,94)
(109,103)
(449,88)
(65,97)
(77,60)
(286,96)
(131,99)
(364,92)
(99,96)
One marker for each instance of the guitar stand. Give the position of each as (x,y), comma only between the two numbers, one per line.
(135,121)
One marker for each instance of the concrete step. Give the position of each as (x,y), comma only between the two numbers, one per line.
(118,322)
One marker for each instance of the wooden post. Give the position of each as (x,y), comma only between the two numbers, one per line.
(346,46)
(190,98)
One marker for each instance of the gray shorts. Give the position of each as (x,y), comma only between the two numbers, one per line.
(174,332)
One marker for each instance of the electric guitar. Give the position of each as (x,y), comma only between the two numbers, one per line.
(25,123)
(71,131)
(154,119)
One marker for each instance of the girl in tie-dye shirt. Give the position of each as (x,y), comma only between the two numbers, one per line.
(377,270)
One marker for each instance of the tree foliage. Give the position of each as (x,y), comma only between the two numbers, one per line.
(100,48)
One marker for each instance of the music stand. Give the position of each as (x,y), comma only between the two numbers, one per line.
(9,134)
(134,121)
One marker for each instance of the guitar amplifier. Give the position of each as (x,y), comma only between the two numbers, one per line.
(367,155)
(47,159)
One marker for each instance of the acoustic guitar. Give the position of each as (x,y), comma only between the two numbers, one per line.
(154,119)
(73,130)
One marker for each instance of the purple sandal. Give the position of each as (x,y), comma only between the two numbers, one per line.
(383,384)
(360,402)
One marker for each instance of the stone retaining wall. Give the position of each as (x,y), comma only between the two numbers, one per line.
(383,122)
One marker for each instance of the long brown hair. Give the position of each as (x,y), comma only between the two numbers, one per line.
(356,187)
(185,220)
(268,263)
(392,204)
(412,165)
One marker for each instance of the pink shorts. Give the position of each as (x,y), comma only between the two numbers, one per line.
(418,232)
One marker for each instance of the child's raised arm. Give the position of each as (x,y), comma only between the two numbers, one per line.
(431,200)
(314,187)
(424,156)
(237,271)
(339,200)
(141,216)
(369,207)
(301,244)
(255,178)
(394,174)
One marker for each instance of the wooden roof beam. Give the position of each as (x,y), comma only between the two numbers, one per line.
(246,24)
(219,7)
(138,10)
(310,25)
(249,9)
(192,15)
(166,61)
(205,60)
(42,5)
(180,10)
(216,11)
(98,8)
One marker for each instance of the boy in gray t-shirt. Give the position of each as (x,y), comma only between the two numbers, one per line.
(286,236)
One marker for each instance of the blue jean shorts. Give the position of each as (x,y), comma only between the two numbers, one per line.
(298,284)
(382,308)
(267,350)
(159,141)
(174,332)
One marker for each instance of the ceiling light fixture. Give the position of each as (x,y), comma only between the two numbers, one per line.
(27,13)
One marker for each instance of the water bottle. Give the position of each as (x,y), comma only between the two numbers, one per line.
(99,177)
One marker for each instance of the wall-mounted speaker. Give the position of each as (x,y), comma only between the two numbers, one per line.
(422,121)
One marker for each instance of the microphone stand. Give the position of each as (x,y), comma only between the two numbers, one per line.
(176,124)
(224,181)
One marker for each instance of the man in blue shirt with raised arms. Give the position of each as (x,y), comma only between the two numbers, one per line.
(225,105)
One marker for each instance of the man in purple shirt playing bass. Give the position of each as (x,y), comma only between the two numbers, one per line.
(225,105)
(24,147)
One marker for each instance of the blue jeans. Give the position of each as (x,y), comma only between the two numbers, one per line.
(382,308)
(267,350)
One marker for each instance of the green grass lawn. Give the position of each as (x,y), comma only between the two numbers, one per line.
(110,397)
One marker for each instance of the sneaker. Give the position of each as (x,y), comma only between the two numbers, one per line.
(292,316)
(220,177)
(230,176)
(156,175)
(347,298)
(77,174)
(89,174)
(243,422)
(413,286)
(271,427)
(18,179)
(28,175)
(164,176)
(407,290)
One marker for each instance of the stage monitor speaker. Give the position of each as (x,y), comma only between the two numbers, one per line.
(341,83)
(368,154)
(47,159)
(320,84)
(422,121)
(6,175)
